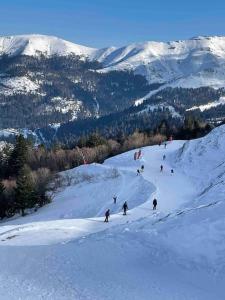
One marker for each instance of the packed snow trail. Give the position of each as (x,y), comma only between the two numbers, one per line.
(161,184)
(167,192)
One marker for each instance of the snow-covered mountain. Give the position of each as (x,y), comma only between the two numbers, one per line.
(45,80)
(66,251)
(35,44)
(189,63)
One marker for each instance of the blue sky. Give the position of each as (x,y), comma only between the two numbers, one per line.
(101,23)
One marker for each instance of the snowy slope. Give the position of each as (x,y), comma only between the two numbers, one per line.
(66,251)
(35,44)
(198,227)
(207,106)
(75,198)
(23,85)
(189,63)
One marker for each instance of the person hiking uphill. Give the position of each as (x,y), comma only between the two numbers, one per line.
(154,204)
(114,199)
(107,215)
(164,157)
(139,154)
(125,208)
(161,168)
(142,168)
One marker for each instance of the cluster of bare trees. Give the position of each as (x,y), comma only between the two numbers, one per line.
(60,159)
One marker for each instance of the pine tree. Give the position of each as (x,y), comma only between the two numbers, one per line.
(2,189)
(3,202)
(95,139)
(25,195)
(19,156)
(163,128)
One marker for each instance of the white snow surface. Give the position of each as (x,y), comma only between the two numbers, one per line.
(209,105)
(64,105)
(17,85)
(36,44)
(66,251)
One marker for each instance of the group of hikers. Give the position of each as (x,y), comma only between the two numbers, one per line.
(137,155)
(171,171)
(125,208)
(141,170)
(165,144)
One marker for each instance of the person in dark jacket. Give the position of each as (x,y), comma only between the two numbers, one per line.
(107,215)
(154,204)
(114,199)
(142,168)
(164,157)
(125,208)
(161,168)
(138,172)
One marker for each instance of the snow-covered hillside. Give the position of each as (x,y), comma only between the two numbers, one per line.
(36,44)
(66,251)
(189,63)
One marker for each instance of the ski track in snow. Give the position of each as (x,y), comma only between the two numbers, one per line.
(58,255)
(44,233)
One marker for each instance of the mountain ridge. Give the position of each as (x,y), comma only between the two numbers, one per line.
(194,62)
(52,81)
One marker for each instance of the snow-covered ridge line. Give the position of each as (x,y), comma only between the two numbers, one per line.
(188,63)
(36,44)
(209,105)
(178,63)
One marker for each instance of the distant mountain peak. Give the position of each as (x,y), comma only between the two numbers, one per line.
(34,44)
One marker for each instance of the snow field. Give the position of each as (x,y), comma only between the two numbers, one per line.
(66,251)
